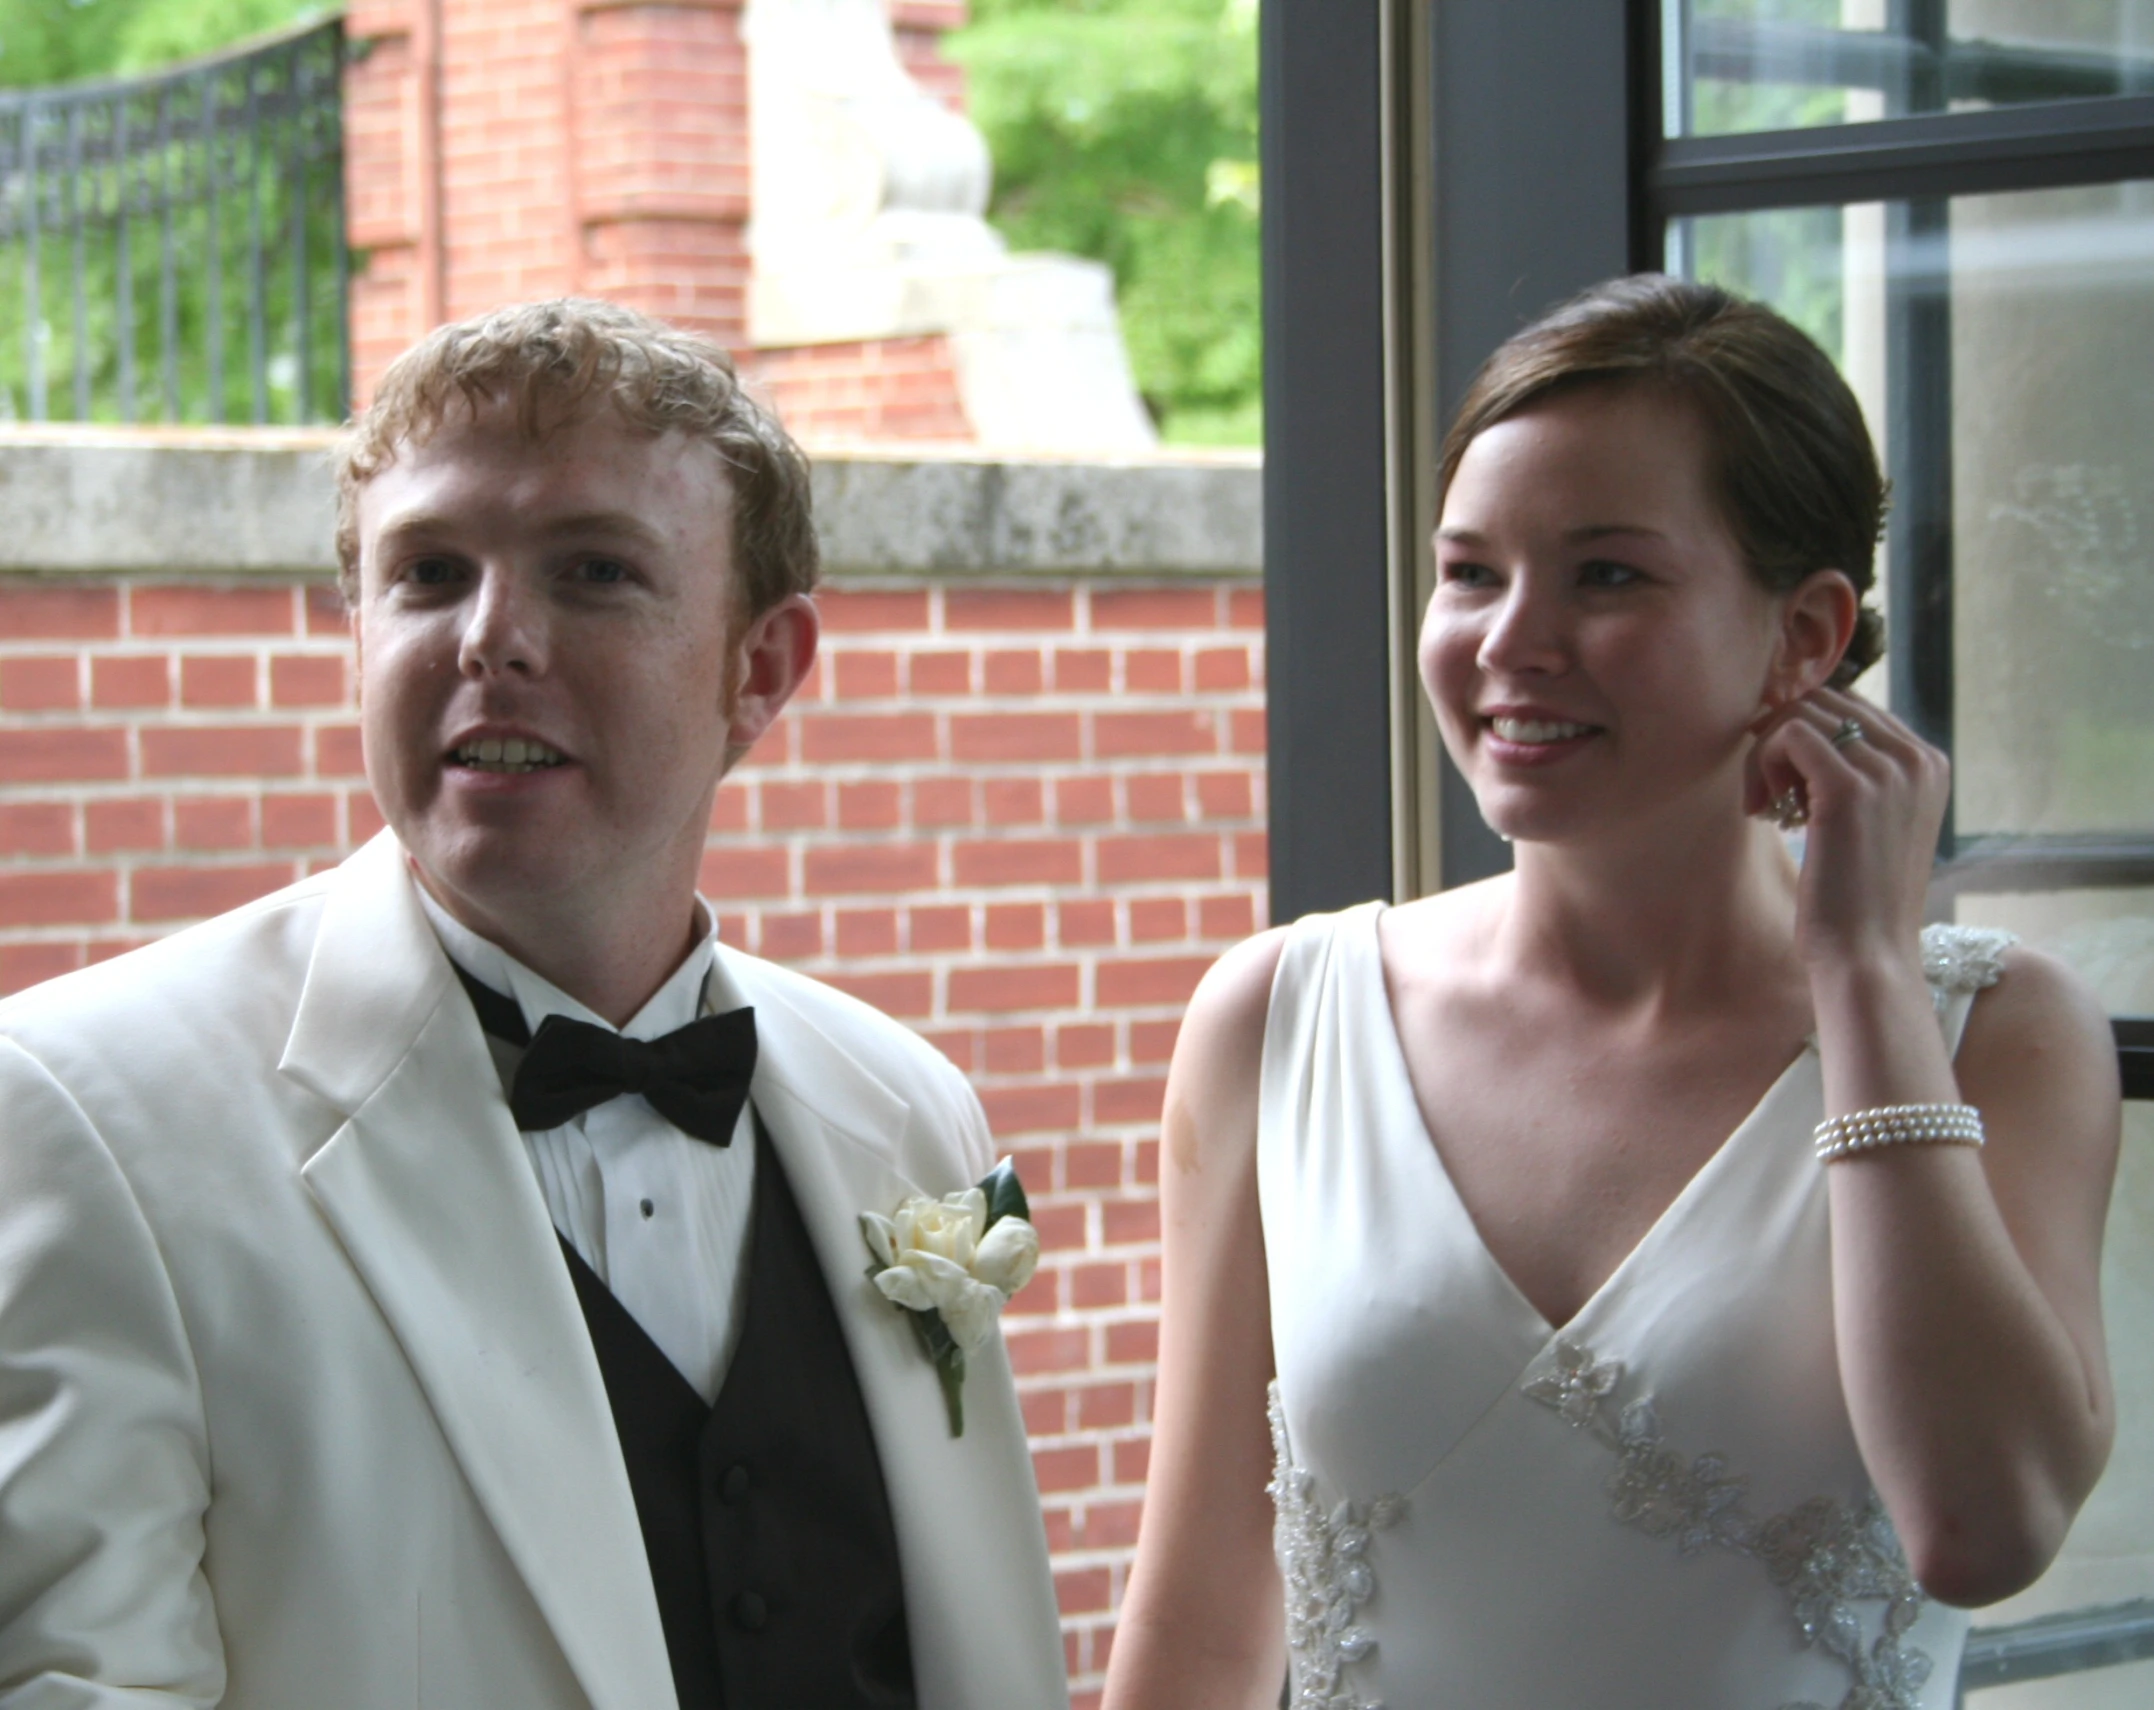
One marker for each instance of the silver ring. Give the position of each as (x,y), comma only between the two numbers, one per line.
(1850,731)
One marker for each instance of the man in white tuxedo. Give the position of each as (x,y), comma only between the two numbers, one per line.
(442,1284)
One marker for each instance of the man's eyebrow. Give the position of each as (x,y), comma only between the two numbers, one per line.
(619,524)
(606,522)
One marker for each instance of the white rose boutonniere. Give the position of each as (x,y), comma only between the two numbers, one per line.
(951,1263)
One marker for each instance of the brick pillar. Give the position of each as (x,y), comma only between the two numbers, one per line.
(392,179)
(919,26)
(500,150)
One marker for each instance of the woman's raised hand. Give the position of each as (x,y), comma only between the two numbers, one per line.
(1874,803)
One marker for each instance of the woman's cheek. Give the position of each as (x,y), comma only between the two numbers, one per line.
(1446,654)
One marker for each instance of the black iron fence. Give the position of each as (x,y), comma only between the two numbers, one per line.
(172,246)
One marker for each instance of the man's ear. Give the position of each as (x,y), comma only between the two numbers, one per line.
(772,660)
(1817,621)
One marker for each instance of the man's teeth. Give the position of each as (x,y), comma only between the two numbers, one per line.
(507,754)
(1537,730)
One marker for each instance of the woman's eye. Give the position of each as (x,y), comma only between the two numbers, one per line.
(1468,574)
(1601,574)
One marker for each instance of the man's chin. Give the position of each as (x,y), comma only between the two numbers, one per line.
(488,882)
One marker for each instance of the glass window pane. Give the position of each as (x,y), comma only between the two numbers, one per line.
(2105,936)
(2015,326)
(1766,65)
(2109,1557)
(2108,937)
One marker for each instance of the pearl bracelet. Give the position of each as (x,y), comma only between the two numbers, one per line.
(1898,1125)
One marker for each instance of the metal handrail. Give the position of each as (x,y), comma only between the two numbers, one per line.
(213,189)
(2074,1642)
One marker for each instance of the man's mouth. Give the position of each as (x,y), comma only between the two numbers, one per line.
(1537,730)
(507,754)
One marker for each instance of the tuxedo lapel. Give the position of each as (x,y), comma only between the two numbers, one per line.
(964,1509)
(428,1187)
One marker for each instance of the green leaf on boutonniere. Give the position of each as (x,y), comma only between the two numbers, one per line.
(1005,1194)
(948,1359)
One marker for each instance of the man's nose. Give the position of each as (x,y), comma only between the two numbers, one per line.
(505,628)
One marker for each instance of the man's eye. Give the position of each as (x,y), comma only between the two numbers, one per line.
(604,570)
(431,572)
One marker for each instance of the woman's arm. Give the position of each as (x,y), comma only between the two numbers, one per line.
(1965,1283)
(1201,1625)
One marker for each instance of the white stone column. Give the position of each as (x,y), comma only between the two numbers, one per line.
(866,223)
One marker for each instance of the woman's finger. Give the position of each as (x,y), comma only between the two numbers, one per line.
(1858,750)
(1879,728)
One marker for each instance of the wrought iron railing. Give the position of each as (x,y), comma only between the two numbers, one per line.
(172,246)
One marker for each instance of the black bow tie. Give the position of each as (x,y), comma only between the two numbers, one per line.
(696,1077)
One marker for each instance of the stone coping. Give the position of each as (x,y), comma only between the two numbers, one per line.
(100,501)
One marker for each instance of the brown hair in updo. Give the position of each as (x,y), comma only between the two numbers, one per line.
(1793,466)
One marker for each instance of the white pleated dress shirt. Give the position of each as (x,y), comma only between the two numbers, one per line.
(660,1216)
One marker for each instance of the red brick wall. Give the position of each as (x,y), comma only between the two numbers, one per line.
(1021,818)
(873,390)
(503,150)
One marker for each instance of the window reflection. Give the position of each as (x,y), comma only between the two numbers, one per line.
(1759,65)
(2048,298)
(2008,333)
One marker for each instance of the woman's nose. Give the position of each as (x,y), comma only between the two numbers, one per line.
(1525,631)
(504,629)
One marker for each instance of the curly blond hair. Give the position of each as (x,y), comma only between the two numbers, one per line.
(553,363)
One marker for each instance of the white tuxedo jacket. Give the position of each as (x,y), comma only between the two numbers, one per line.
(297,1407)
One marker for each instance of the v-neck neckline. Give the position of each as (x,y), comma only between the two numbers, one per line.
(1679,1210)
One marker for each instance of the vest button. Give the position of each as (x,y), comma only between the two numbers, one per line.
(750,1613)
(733,1486)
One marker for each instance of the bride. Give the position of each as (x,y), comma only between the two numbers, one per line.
(1672,1274)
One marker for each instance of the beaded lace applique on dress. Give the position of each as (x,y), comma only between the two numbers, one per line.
(1827,1558)
(1957,959)
(1324,1559)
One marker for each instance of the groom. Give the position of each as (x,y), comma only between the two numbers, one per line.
(442,1283)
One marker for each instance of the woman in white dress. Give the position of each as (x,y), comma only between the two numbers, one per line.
(1645,1324)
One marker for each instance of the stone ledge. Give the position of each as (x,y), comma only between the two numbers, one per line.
(95,501)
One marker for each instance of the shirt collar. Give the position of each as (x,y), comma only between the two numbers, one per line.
(675,1004)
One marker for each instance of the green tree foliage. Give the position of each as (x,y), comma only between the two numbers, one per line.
(1125,130)
(62,41)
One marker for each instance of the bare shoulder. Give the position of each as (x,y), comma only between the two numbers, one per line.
(1438,935)
(1232,999)
(2040,1022)
(1211,1103)
(2040,1060)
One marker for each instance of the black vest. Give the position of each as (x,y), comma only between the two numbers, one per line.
(764,1517)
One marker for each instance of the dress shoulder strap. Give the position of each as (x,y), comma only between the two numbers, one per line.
(1960,961)
(1307,960)
(1304,998)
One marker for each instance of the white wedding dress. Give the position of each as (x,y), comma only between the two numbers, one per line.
(1659,1506)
